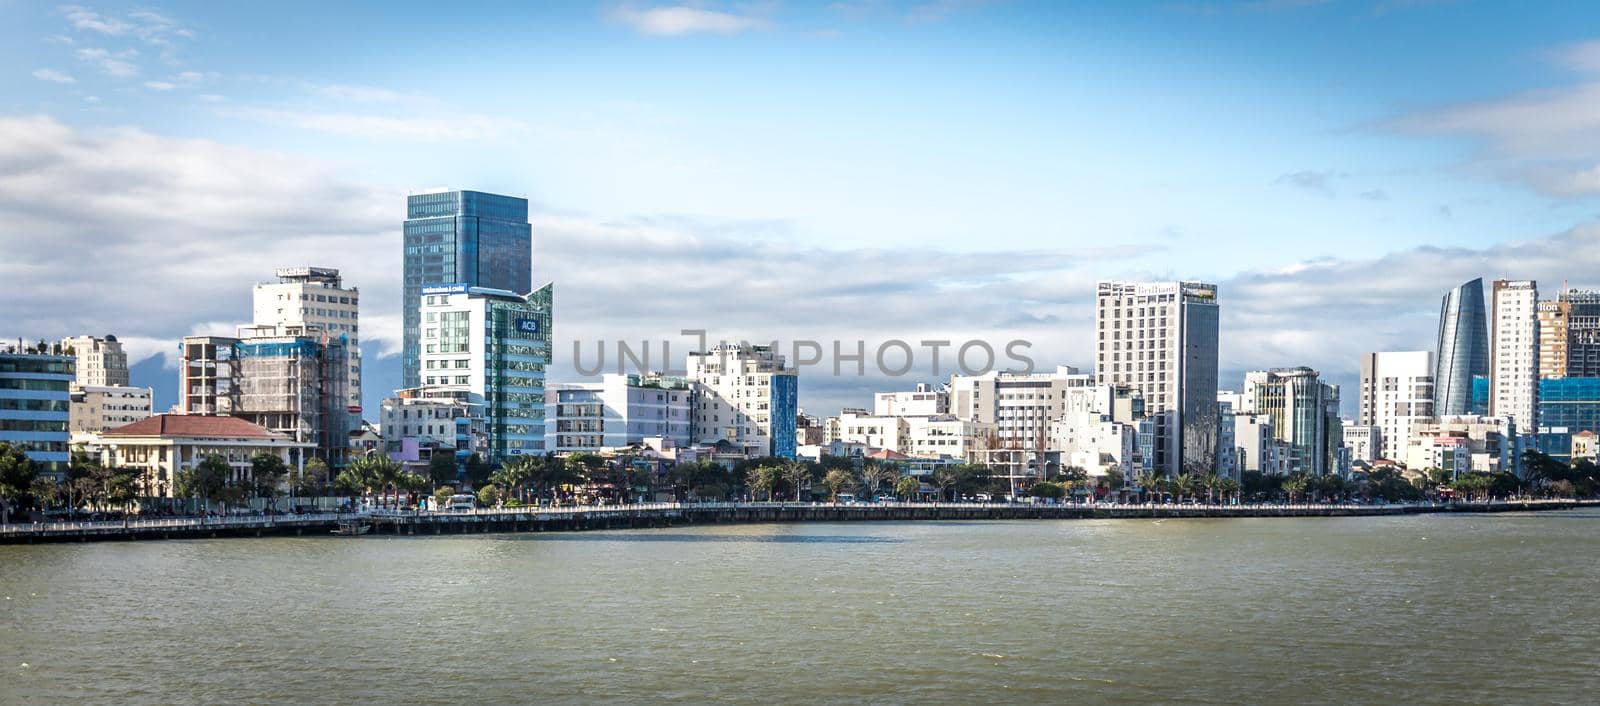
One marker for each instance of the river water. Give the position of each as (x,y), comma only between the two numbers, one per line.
(1428,609)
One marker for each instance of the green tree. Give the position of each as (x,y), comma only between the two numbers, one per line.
(1048,489)
(876,474)
(267,472)
(1151,484)
(907,488)
(206,482)
(313,480)
(1295,485)
(762,479)
(441,496)
(442,466)
(837,480)
(946,479)
(17,473)
(489,496)
(798,475)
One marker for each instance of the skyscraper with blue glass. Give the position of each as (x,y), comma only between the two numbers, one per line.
(465,237)
(1463,350)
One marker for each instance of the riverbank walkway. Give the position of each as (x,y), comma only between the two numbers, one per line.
(597,517)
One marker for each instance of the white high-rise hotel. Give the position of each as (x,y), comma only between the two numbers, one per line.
(1161,339)
(1396,393)
(1514,352)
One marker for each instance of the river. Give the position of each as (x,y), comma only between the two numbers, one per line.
(1416,609)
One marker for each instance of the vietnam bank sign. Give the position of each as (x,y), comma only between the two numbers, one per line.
(452,288)
(525,325)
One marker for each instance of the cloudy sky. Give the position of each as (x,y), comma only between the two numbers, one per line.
(851,170)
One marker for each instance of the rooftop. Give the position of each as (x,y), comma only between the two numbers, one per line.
(195,426)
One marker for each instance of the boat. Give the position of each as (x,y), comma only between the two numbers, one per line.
(352,528)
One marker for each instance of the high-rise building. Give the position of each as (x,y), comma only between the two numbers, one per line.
(35,401)
(1514,352)
(464,237)
(1396,393)
(98,408)
(100,361)
(1161,339)
(745,395)
(495,345)
(1569,335)
(314,298)
(617,411)
(1463,349)
(1305,414)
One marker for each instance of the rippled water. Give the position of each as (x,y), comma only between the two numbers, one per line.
(1433,609)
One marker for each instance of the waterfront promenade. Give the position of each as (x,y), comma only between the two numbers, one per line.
(593,517)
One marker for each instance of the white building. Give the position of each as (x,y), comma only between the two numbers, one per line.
(745,395)
(617,411)
(314,298)
(1161,338)
(924,401)
(101,361)
(1021,409)
(1514,352)
(1396,393)
(1365,443)
(164,445)
(1490,441)
(98,408)
(493,345)
(417,422)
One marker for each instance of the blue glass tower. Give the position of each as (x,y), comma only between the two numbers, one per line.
(467,237)
(1463,349)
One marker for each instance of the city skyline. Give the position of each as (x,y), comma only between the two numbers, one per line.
(1391,191)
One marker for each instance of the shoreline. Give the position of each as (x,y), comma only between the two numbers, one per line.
(657,515)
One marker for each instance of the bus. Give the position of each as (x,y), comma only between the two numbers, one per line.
(460,502)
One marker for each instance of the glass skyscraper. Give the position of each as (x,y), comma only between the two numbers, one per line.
(1463,349)
(461,237)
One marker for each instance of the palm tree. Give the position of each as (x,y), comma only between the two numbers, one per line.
(1294,486)
(375,472)
(761,478)
(1151,483)
(946,478)
(1186,485)
(875,475)
(1211,483)
(1230,488)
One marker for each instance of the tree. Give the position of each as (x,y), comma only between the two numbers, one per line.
(1294,485)
(907,488)
(442,466)
(414,484)
(798,475)
(441,496)
(761,478)
(378,473)
(266,474)
(1150,483)
(313,480)
(946,479)
(1230,489)
(207,481)
(875,474)
(1212,483)
(1048,489)
(17,474)
(836,481)
(489,496)
(1115,480)
(477,470)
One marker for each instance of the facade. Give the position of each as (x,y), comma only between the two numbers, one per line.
(1021,409)
(419,422)
(494,345)
(100,361)
(316,300)
(469,237)
(1161,339)
(165,445)
(1258,448)
(1491,442)
(924,401)
(208,376)
(618,411)
(1396,393)
(1463,349)
(1365,443)
(1305,415)
(809,430)
(745,396)
(1567,407)
(1449,453)
(35,408)
(1569,335)
(1514,352)
(98,408)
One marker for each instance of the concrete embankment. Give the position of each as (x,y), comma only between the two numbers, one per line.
(672,515)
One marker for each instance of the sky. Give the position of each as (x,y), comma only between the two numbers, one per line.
(855,170)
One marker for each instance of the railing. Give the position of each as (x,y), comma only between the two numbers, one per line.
(176,523)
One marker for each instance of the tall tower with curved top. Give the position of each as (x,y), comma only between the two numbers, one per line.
(1463,349)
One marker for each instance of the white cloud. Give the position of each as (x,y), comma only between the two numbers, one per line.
(443,127)
(86,19)
(355,94)
(117,64)
(54,76)
(159,85)
(679,20)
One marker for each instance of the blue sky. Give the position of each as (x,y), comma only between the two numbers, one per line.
(1231,141)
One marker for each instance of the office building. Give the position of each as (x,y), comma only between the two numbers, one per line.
(1462,349)
(1161,339)
(100,361)
(493,344)
(1021,409)
(745,397)
(316,300)
(98,408)
(1514,352)
(35,408)
(466,237)
(924,401)
(618,411)
(1569,335)
(1567,407)
(1365,443)
(1396,393)
(1304,412)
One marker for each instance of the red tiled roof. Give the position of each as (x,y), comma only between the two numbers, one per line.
(194,425)
(887,454)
